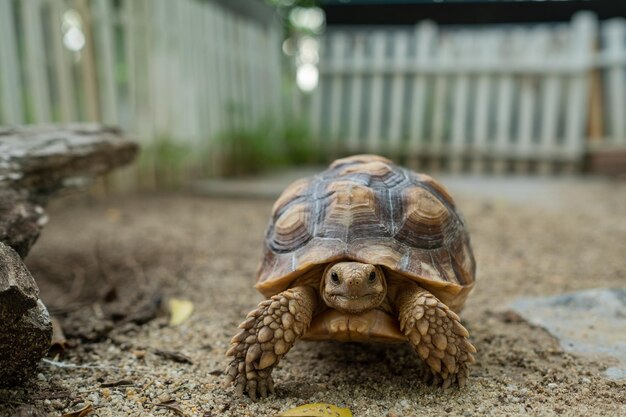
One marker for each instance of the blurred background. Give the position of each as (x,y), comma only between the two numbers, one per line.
(214,88)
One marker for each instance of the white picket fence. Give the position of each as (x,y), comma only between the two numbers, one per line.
(489,98)
(183,72)
(178,71)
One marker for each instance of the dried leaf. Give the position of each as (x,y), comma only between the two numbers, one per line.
(317,410)
(80,413)
(174,356)
(180,310)
(120,383)
(58,343)
(113,215)
(171,405)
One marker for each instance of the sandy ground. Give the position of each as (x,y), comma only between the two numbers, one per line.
(104,267)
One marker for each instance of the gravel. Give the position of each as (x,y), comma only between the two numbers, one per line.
(97,258)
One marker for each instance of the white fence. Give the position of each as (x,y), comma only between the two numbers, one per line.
(487,98)
(178,71)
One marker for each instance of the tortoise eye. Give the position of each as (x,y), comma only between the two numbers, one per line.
(334,277)
(372,277)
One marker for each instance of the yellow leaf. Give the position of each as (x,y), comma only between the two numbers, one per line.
(180,310)
(113,215)
(80,413)
(317,410)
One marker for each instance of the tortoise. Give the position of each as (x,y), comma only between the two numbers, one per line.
(365,251)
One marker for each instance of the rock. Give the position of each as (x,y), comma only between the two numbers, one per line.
(25,327)
(22,344)
(18,290)
(20,220)
(588,322)
(45,159)
(36,162)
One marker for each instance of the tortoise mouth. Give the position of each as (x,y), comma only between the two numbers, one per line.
(354,303)
(354,297)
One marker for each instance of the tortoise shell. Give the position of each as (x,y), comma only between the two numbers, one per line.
(366,209)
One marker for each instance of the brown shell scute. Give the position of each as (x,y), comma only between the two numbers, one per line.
(367,209)
(426,221)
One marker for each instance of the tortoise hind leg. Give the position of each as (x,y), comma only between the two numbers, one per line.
(436,334)
(267,335)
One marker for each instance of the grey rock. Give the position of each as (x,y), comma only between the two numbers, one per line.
(46,158)
(22,345)
(25,327)
(18,290)
(21,221)
(591,322)
(36,162)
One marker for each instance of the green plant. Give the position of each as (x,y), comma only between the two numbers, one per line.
(267,145)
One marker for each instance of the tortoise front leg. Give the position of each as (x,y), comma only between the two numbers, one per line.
(267,335)
(436,334)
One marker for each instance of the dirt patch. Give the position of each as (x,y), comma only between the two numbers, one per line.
(105,267)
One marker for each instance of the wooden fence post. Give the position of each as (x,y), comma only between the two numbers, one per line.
(11,102)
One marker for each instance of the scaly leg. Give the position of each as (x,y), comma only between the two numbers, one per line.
(267,335)
(436,334)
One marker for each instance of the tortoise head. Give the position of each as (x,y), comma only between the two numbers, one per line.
(353,287)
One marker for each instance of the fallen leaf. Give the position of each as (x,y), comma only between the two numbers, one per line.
(113,215)
(80,413)
(58,342)
(180,310)
(174,356)
(317,410)
(120,383)
(171,405)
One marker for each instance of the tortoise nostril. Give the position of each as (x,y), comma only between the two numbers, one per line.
(353,281)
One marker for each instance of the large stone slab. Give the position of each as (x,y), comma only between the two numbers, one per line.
(46,158)
(590,322)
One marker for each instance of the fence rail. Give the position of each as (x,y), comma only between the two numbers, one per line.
(181,72)
(490,98)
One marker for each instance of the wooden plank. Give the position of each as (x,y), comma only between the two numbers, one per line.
(584,28)
(37,80)
(213,94)
(253,55)
(424,37)
(128,25)
(105,53)
(356,94)
(338,53)
(87,66)
(460,109)
(374,137)
(316,100)
(400,56)
(615,33)
(503,122)
(213,75)
(550,105)
(440,104)
(484,46)
(527,98)
(200,78)
(62,65)
(275,71)
(11,102)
